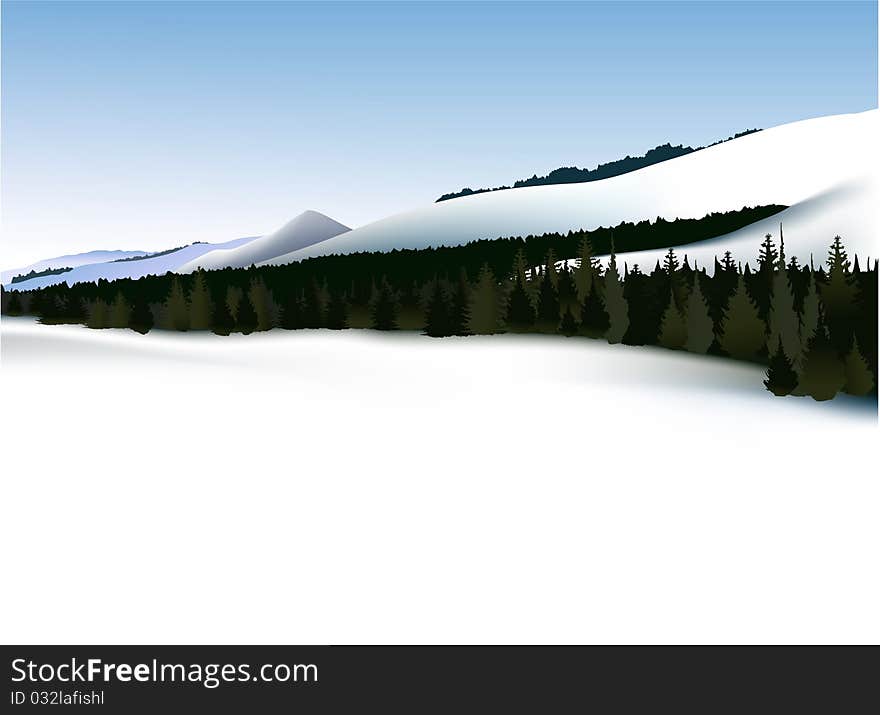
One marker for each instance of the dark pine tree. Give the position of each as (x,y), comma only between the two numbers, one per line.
(568,326)
(13,306)
(385,308)
(222,321)
(292,313)
(245,316)
(337,312)
(141,317)
(459,309)
(520,314)
(594,318)
(438,321)
(781,377)
(548,305)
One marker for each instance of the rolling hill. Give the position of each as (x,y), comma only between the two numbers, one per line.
(824,169)
(305,230)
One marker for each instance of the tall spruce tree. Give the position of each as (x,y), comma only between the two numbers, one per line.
(859,379)
(385,308)
(548,304)
(520,313)
(742,335)
(459,306)
(615,304)
(783,322)
(200,307)
(700,328)
(586,271)
(594,318)
(781,377)
(438,322)
(245,316)
(176,308)
(141,317)
(291,312)
(222,322)
(484,314)
(823,374)
(119,312)
(337,311)
(99,314)
(673,329)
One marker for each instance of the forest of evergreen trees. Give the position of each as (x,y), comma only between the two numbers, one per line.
(813,326)
(574,175)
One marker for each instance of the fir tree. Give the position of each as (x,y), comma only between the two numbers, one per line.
(783,321)
(809,319)
(823,374)
(594,318)
(200,307)
(75,309)
(742,330)
(337,312)
(119,312)
(585,273)
(99,314)
(385,308)
(673,330)
(548,305)
(176,308)
(670,263)
(222,322)
(291,313)
(245,316)
(615,304)
(264,305)
(141,317)
(13,306)
(437,318)
(520,314)
(568,326)
(781,377)
(484,304)
(859,380)
(767,256)
(700,328)
(459,310)
(839,295)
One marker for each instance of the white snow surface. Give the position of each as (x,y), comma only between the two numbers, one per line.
(69,261)
(825,169)
(305,230)
(358,487)
(157,265)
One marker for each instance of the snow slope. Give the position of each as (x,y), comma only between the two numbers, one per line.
(616,543)
(158,265)
(824,169)
(305,230)
(70,261)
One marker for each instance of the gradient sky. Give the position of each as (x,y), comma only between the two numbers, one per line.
(149,125)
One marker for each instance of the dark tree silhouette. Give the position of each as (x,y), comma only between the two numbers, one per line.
(781,377)
(245,316)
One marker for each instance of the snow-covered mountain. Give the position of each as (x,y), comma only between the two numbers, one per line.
(305,230)
(152,265)
(69,261)
(824,169)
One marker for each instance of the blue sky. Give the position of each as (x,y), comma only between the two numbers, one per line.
(148,125)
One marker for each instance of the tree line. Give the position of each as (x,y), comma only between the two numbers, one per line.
(575,175)
(814,327)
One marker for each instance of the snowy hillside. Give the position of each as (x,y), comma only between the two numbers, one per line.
(824,169)
(70,261)
(305,230)
(156,265)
